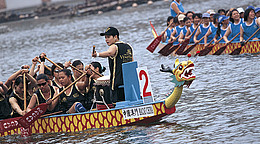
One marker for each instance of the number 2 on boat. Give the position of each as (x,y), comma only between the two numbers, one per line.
(145,85)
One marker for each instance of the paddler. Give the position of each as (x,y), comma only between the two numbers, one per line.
(44,94)
(249,26)
(72,99)
(172,22)
(17,96)
(90,89)
(118,53)
(203,28)
(176,8)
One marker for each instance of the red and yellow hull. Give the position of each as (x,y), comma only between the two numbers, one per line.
(251,47)
(94,119)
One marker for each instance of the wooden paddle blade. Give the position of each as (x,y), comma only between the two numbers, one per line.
(219,51)
(33,115)
(154,44)
(165,49)
(189,49)
(183,46)
(173,48)
(9,124)
(236,51)
(206,50)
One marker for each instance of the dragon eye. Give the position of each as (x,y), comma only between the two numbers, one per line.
(180,67)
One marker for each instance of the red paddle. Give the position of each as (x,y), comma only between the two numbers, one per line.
(165,50)
(219,51)
(207,49)
(238,50)
(153,28)
(186,41)
(192,47)
(156,41)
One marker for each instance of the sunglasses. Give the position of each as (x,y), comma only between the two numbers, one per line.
(57,71)
(42,84)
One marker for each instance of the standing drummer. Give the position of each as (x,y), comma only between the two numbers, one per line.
(118,53)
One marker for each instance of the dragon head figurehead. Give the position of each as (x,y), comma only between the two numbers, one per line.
(182,73)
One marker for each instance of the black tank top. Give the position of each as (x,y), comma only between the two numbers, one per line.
(41,98)
(5,107)
(66,101)
(124,55)
(55,84)
(20,102)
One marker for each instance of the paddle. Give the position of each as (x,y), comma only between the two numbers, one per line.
(156,41)
(219,51)
(238,50)
(39,110)
(172,49)
(45,65)
(24,92)
(165,50)
(53,62)
(208,48)
(186,41)
(154,31)
(191,47)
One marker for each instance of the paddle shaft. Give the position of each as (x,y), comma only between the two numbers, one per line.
(69,86)
(94,49)
(252,35)
(51,114)
(234,37)
(153,28)
(53,62)
(45,65)
(24,91)
(195,28)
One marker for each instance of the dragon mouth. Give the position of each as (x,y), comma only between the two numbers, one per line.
(187,73)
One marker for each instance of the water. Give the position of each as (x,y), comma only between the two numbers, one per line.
(221,106)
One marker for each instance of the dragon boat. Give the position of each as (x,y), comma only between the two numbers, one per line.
(252,47)
(139,106)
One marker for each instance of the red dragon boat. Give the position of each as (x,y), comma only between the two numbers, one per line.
(139,107)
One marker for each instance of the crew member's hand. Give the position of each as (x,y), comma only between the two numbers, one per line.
(35,60)
(67,64)
(49,101)
(25,67)
(1,83)
(42,57)
(23,113)
(94,54)
(24,71)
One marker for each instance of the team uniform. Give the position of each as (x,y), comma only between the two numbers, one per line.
(234,30)
(41,99)
(67,100)
(124,54)
(203,31)
(250,29)
(173,13)
(20,102)
(178,31)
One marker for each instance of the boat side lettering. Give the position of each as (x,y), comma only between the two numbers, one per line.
(137,112)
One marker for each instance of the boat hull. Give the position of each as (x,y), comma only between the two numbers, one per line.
(93,119)
(252,47)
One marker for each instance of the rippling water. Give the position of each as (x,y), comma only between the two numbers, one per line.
(221,106)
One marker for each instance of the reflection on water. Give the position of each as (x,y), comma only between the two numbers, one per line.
(221,106)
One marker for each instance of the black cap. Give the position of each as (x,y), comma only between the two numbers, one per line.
(110,31)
